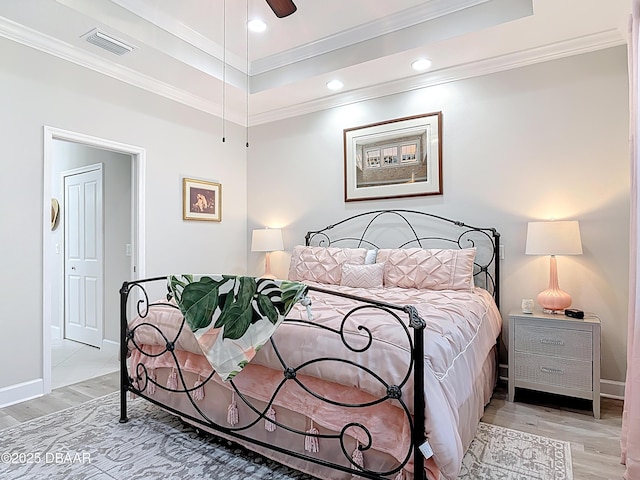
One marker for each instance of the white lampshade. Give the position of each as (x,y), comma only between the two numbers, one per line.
(554,238)
(266,240)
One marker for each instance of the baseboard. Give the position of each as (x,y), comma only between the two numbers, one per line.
(110,347)
(608,388)
(503,372)
(56,333)
(612,389)
(20,392)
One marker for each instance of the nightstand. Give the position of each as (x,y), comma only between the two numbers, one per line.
(554,353)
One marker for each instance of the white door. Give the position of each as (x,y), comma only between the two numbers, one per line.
(83,220)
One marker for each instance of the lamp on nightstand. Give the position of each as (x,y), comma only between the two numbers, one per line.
(267,240)
(553,238)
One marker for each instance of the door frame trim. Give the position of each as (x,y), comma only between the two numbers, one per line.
(138,167)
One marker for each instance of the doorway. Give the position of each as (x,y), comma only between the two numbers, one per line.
(123,241)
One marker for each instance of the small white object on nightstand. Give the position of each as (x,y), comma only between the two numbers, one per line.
(527,305)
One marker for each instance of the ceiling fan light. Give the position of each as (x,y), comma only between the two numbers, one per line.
(421,64)
(256,25)
(335,85)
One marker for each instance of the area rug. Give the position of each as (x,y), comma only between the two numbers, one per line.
(87,442)
(498,453)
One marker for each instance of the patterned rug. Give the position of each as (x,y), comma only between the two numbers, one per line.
(87,442)
(498,453)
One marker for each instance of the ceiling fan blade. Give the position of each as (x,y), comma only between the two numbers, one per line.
(282,8)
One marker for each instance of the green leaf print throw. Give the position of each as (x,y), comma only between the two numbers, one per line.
(233,317)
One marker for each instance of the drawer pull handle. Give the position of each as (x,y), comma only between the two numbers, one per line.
(551,341)
(557,371)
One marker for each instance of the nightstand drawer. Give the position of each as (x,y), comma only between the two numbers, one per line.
(562,372)
(561,342)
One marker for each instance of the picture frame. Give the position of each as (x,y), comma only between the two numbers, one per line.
(394,158)
(201,200)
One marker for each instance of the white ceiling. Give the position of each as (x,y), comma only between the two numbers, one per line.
(367,44)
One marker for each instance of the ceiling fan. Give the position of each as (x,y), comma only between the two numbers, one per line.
(282,8)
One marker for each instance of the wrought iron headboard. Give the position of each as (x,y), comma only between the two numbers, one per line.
(400,228)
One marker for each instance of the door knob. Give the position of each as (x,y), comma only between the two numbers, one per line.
(73,268)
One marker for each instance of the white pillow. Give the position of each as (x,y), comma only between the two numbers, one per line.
(362,276)
(371,257)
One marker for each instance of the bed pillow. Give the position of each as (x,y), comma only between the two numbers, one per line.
(433,269)
(362,276)
(322,264)
(371,256)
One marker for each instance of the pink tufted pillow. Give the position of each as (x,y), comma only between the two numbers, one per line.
(362,276)
(433,269)
(322,264)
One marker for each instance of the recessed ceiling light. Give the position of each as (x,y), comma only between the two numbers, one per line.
(421,64)
(257,25)
(335,85)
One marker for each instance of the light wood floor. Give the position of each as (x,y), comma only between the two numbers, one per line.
(59,399)
(595,444)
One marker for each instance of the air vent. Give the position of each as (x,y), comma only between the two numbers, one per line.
(108,42)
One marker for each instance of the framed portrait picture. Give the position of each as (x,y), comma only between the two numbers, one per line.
(201,200)
(395,158)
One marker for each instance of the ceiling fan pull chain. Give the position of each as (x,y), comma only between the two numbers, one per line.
(247,86)
(224,66)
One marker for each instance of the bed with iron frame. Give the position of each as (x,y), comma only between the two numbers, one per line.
(407,394)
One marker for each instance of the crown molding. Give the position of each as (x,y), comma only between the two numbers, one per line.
(575,46)
(47,44)
(424,12)
(53,46)
(150,13)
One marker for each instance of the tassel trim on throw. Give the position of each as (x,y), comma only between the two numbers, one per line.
(311,443)
(172,380)
(357,457)
(399,476)
(151,377)
(269,426)
(232,411)
(306,302)
(198,393)
(136,385)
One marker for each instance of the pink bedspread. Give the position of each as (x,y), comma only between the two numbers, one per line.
(462,328)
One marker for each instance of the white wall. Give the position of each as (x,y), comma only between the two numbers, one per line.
(548,140)
(179,141)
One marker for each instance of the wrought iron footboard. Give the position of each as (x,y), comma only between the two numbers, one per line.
(136,379)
